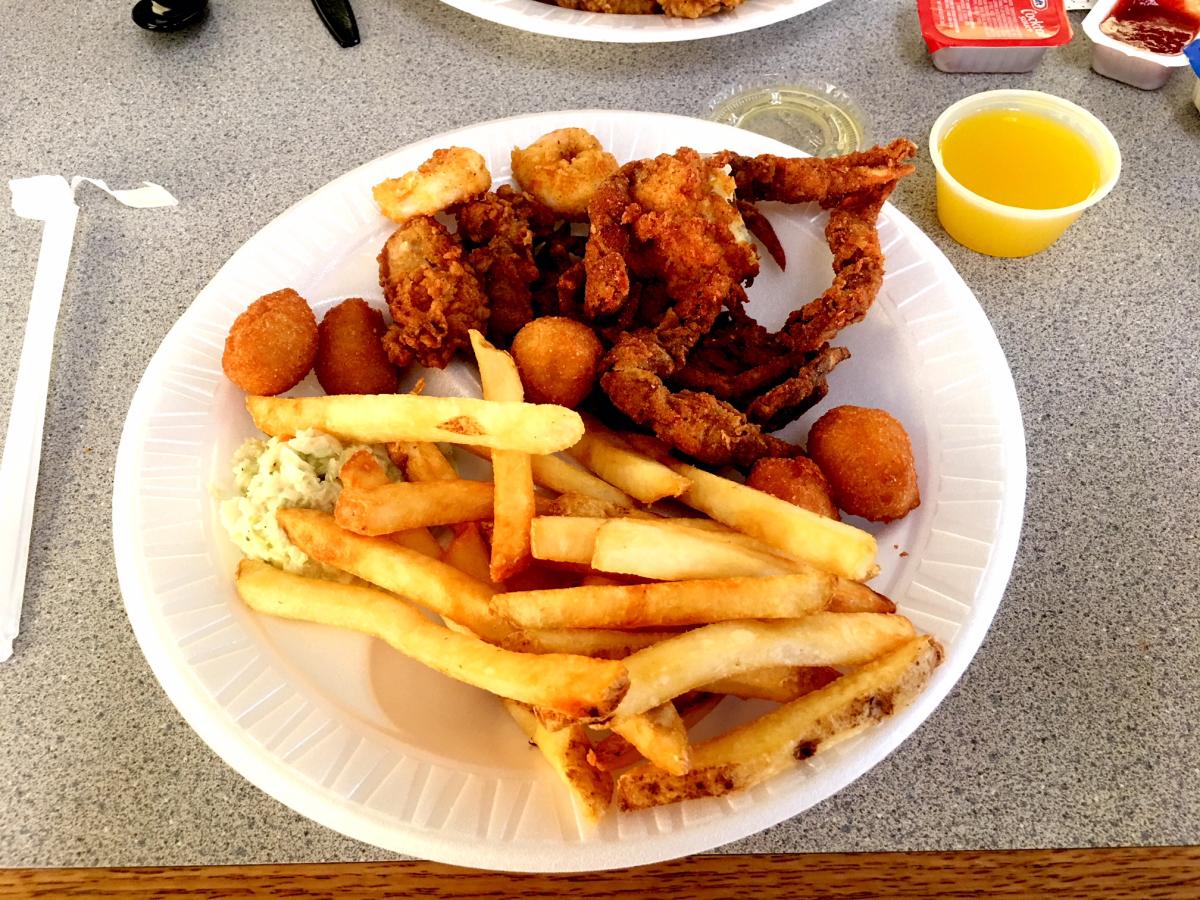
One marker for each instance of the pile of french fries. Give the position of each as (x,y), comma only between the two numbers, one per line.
(611,597)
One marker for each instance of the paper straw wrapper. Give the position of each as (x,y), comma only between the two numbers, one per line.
(51,199)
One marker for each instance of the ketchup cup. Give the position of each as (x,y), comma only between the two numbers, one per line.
(992,228)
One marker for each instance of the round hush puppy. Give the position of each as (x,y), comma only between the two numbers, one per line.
(350,354)
(272,345)
(559,360)
(798,480)
(868,460)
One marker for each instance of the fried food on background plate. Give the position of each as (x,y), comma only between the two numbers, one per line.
(451,175)
(434,297)
(797,480)
(350,354)
(559,360)
(694,9)
(564,168)
(622,7)
(867,458)
(272,344)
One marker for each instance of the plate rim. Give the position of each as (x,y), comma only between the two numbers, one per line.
(627,29)
(321,804)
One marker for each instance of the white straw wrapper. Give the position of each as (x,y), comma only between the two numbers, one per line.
(50,199)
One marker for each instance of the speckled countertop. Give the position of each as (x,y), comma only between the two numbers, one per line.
(1075,725)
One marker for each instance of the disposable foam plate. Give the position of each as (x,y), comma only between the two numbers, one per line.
(544,18)
(358,738)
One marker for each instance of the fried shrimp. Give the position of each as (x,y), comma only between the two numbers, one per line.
(272,345)
(452,175)
(563,169)
(868,460)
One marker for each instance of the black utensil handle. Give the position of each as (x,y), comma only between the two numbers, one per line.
(339,19)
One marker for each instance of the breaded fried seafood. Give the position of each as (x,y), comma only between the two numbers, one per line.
(868,459)
(559,360)
(272,345)
(452,175)
(350,354)
(563,169)
(434,297)
(797,480)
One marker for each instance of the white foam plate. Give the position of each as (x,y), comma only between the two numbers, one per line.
(351,734)
(543,18)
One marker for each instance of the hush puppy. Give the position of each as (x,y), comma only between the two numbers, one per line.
(559,360)
(868,460)
(799,481)
(272,345)
(350,354)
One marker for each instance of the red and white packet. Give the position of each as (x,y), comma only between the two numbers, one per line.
(992,35)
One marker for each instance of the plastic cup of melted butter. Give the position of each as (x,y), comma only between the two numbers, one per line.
(1016,168)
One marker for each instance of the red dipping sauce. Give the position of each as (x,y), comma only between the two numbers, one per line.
(1157,26)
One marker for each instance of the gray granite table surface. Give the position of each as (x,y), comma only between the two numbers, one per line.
(1074,726)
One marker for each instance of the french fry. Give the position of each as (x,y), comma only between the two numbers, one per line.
(420,461)
(568,539)
(567,752)
(799,533)
(468,552)
(569,684)
(426,582)
(404,505)
(615,752)
(362,471)
(852,596)
(666,551)
(780,684)
(418,539)
(382,418)
(669,603)
(704,655)
(769,745)
(600,643)
(637,475)
(557,474)
(659,735)
(591,508)
(512,471)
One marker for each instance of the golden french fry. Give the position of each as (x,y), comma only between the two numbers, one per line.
(404,505)
(468,552)
(569,684)
(568,539)
(426,582)
(563,477)
(852,596)
(512,471)
(600,643)
(669,603)
(567,752)
(421,461)
(615,752)
(799,533)
(780,684)
(666,551)
(362,471)
(382,418)
(591,508)
(769,745)
(637,475)
(659,735)
(704,655)
(418,539)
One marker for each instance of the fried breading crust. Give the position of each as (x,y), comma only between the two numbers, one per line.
(272,345)
(868,460)
(433,296)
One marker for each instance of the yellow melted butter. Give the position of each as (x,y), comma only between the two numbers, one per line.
(1021,159)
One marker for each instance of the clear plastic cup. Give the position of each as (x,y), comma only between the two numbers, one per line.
(989,227)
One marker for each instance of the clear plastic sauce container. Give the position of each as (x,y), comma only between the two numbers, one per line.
(992,35)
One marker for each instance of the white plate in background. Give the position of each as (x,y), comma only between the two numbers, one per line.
(353,735)
(544,18)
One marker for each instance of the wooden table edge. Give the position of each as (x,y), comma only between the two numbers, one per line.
(1123,872)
